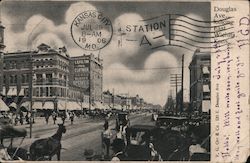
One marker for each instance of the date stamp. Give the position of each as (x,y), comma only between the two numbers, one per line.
(91,30)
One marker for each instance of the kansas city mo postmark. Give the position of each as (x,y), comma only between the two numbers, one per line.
(91,30)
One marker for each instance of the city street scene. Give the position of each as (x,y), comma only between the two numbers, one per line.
(105,81)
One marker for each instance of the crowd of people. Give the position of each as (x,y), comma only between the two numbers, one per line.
(63,116)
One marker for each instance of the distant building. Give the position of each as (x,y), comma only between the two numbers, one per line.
(107,100)
(135,102)
(200,70)
(126,103)
(117,102)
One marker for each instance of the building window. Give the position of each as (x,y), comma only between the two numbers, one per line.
(49,77)
(26,92)
(52,92)
(27,79)
(23,78)
(41,92)
(36,92)
(39,77)
(4,79)
(47,91)
(11,79)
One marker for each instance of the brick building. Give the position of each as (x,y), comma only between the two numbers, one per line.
(200,67)
(2,46)
(47,71)
(87,73)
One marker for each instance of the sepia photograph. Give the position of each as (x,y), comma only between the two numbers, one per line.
(108,80)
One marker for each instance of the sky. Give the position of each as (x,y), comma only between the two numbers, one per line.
(128,68)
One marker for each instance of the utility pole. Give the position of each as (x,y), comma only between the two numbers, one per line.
(90,83)
(175,81)
(182,75)
(113,98)
(31,94)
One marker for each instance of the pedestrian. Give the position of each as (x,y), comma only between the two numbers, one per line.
(63,117)
(21,118)
(72,117)
(106,123)
(27,118)
(54,116)
(47,118)
(106,135)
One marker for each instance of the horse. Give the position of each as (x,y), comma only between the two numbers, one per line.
(48,146)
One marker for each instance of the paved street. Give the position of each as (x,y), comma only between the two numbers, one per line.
(85,133)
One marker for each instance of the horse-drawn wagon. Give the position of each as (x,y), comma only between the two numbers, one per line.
(40,150)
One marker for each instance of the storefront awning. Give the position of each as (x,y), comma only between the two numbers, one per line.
(48,105)
(3,106)
(84,105)
(12,92)
(98,105)
(61,105)
(72,105)
(37,105)
(21,93)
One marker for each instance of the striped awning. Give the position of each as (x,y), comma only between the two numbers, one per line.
(48,105)
(37,105)
(72,105)
(85,105)
(61,105)
(12,91)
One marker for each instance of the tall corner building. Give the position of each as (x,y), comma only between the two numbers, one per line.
(2,46)
(200,72)
(87,73)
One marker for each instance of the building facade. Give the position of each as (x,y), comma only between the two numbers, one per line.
(2,46)
(200,69)
(107,99)
(45,71)
(87,74)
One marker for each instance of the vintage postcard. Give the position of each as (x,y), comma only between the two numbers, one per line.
(124,81)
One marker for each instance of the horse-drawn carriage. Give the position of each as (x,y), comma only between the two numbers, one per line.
(122,119)
(9,133)
(40,150)
(140,139)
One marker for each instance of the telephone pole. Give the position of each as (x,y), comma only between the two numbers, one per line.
(31,94)
(175,81)
(182,75)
